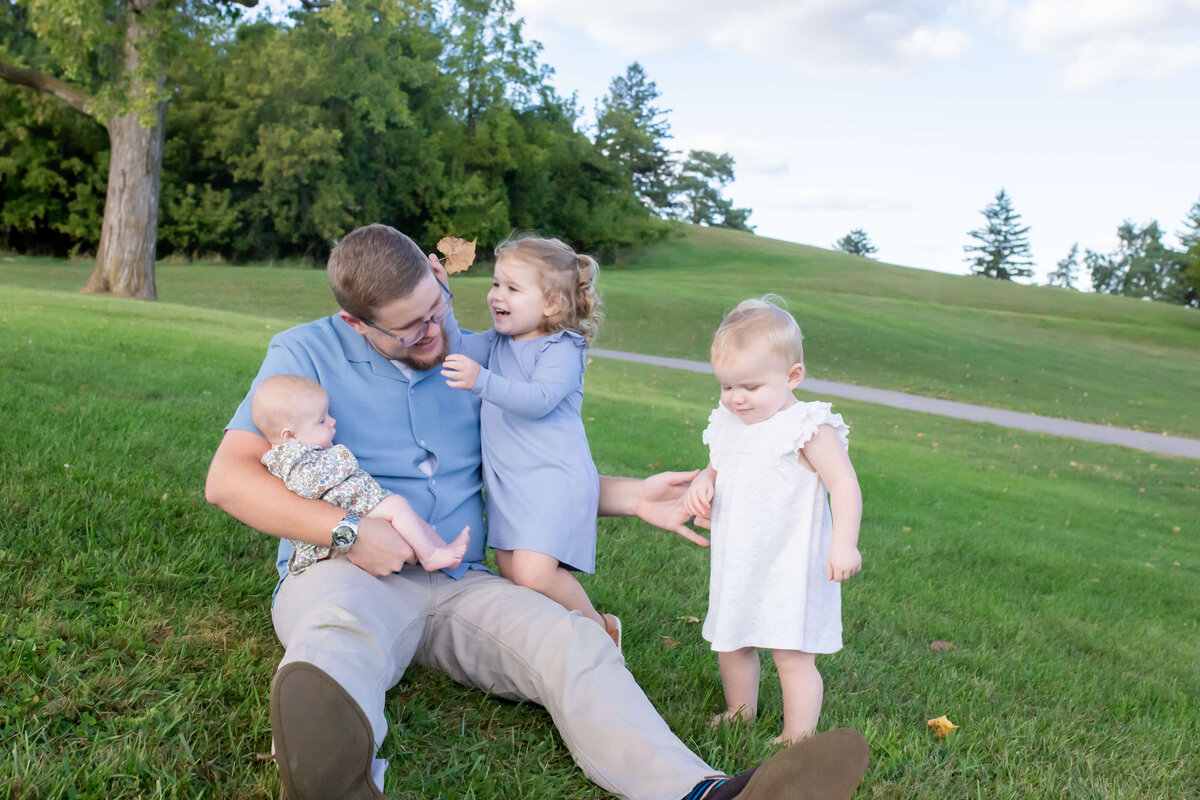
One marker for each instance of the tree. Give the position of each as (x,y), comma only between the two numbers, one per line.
(1141,266)
(1190,239)
(1003,250)
(631,131)
(1065,274)
(856,243)
(113,58)
(699,189)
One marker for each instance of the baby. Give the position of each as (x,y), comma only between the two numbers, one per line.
(293,414)
(785,507)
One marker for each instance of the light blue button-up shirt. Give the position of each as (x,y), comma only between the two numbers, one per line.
(392,423)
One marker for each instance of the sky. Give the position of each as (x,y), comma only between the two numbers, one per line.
(906,118)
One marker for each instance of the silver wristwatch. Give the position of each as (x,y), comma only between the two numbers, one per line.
(345,532)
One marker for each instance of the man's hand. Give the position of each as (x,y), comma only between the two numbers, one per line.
(461,372)
(379,549)
(844,561)
(660,501)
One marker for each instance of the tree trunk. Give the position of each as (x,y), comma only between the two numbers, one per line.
(125,261)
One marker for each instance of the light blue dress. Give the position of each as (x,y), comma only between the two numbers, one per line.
(542,487)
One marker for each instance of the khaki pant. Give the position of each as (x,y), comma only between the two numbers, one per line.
(484,631)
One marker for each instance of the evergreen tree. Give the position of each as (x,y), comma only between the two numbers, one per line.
(699,189)
(1002,249)
(1190,239)
(632,131)
(856,243)
(1066,273)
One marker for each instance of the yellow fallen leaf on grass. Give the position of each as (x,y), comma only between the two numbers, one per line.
(942,725)
(669,641)
(689,619)
(459,253)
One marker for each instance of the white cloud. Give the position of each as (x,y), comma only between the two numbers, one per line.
(750,156)
(1104,40)
(820,36)
(840,199)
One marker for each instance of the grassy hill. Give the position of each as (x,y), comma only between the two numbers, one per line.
(1101,359)
(137,642)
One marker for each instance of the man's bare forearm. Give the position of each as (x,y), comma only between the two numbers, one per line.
(240,485)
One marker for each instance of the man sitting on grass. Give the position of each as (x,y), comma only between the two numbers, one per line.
(351,624)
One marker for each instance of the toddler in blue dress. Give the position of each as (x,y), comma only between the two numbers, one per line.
(542,487)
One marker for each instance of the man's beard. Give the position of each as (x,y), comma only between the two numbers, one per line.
(429,363)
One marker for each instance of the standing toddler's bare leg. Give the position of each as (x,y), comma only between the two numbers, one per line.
(803,691)
(431,549)
(739,679)
(545,575)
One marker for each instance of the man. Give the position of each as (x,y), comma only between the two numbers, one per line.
(351,625)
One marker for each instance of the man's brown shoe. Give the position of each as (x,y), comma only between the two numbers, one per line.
(323,742)
(828,766)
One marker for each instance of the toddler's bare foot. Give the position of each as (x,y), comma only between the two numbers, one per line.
(741,714)
(450,556)
(612,626)
(791,738)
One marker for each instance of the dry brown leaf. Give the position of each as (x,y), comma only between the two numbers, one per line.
(668,642)
(941,644)
(942,725)
(689,619)
(459,253)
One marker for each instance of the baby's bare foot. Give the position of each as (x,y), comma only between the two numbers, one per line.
(450,556)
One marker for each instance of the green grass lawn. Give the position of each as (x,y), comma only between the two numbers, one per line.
(137,641)
(1100,359)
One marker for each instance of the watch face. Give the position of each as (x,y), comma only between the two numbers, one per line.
(346,531)
(344,535)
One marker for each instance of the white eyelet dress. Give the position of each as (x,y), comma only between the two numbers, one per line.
(771,531)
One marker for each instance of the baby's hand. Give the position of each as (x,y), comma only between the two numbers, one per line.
(698,497)
(461,372)
(843,563)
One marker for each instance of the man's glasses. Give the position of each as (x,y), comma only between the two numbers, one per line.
(418,332)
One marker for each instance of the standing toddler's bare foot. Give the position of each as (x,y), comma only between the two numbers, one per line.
(741,714)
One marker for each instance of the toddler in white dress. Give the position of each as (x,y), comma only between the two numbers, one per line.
(785,507)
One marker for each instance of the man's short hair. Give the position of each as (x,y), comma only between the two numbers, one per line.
(372,266)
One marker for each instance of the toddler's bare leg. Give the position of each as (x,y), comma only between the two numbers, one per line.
(739,679)
(803,691)
(431,549)
(543,574)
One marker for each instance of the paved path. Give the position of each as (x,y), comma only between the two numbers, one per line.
(1141,440)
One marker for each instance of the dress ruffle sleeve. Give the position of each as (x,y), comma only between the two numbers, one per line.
(815,415)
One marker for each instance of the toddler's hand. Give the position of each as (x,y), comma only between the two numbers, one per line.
(698,497)
(461,372)
(843,563)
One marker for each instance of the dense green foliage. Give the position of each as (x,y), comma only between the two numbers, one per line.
(281,136)
(1142,266)
(138,644)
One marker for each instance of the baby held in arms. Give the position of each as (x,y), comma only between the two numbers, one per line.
(293,414)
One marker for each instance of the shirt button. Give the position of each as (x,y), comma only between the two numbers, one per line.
(433,482)
(421,442)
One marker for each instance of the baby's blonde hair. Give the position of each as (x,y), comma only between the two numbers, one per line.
(754,320)
(564,275)
(275,400)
